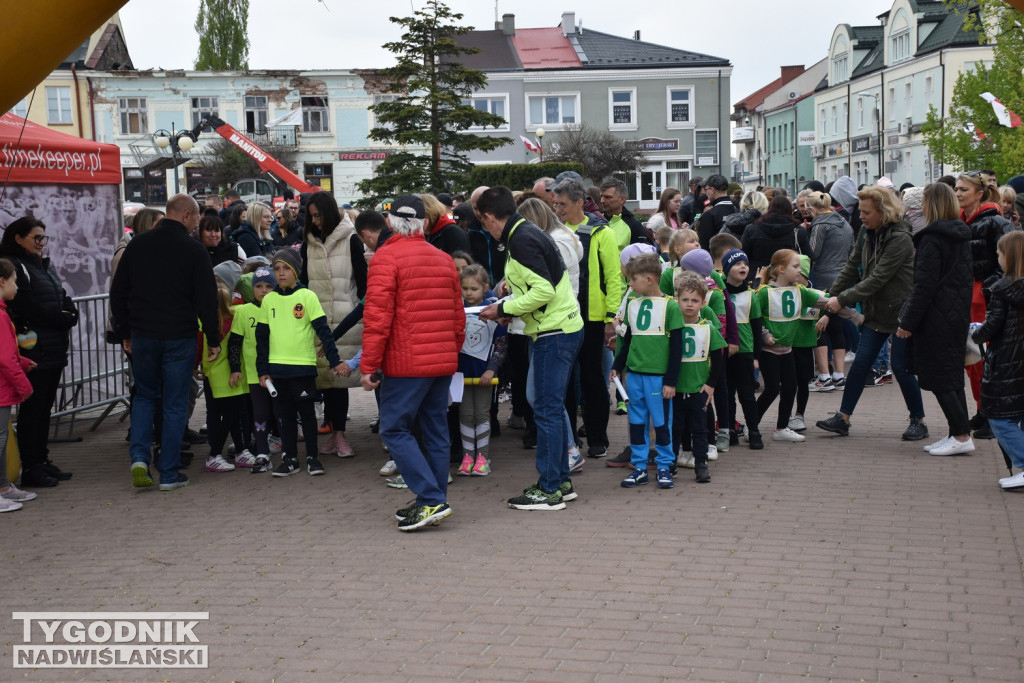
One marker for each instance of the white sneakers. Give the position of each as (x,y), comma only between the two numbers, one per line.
(1014,482)
(390,469)
(218,464)
(953,447)
(712,452)
(685,459)
(797,424)
(940,442)
(245,459)
(787,434)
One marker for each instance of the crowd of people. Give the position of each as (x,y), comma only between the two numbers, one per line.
(560,298)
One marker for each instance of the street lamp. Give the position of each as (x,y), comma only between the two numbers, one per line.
(540,141)
(178,141)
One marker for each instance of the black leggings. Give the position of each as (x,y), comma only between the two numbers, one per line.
(287,405)
(954,407)
(739,370)
(223,417)
(803,360)
(262,417)
(777,371)
(336,408)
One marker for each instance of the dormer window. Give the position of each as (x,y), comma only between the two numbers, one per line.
(899,47)
(840,68)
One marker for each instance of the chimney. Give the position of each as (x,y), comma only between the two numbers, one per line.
(791,72)
(568,23)
(508,24)
(636,35)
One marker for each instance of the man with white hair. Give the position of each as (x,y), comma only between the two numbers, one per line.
(413,329)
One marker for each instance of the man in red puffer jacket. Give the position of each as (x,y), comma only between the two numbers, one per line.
(413,328)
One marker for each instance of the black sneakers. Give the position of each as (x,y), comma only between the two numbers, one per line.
(754,441)
(835,424)
(916,431)
(702,473)
(287,468)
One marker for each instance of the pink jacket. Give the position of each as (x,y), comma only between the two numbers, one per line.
(14,384)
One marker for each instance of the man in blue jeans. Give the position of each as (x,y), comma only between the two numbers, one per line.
(542,297)
(163,285)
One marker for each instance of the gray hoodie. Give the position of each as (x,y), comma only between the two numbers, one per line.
(844,191)
(831,244)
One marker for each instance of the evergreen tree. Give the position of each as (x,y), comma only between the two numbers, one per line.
(970,138)
(223,28)
(430,108)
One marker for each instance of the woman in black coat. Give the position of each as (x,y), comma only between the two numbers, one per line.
(937,315)
(773,231)
(43,307)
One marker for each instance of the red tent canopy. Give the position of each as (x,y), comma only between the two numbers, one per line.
(30,153)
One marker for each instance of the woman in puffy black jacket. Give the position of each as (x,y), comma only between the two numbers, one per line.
(253,234)
(43,307)
(979,208)
(752,206)
(776,230)
(1002,389)
(937,314)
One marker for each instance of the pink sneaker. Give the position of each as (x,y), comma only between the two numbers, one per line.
(482,468)
(467,466)
(329,448)
(344,448)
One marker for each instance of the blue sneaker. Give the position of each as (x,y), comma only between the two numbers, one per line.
(637,477)
(665,479)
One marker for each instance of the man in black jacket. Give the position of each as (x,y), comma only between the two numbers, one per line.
(692,204)
(163,284)
(719,206)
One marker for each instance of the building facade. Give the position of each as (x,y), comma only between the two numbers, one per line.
(789,131)
(671,103)
(325,138)
(881,83)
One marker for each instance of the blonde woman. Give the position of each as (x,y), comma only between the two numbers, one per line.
(253,235)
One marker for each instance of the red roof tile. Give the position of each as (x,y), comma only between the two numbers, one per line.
(540,48)
(756,99)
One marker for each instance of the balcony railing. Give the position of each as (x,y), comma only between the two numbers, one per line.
(280,137)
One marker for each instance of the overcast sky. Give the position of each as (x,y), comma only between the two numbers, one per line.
(756,36)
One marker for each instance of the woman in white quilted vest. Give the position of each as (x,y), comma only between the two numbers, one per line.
(334,268)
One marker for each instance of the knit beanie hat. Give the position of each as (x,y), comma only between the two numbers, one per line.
(913,198)
(290,258)
(264,275)
(1017,183)
(805,265)
(731,258)
(634,250)
(698,261)
(228,272)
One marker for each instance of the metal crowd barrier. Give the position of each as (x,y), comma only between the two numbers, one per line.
(97,377)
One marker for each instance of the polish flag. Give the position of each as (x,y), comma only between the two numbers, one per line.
(974,132)
(530,145)
(1006,117)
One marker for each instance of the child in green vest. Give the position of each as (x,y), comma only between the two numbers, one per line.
(739,367)
(286,358)
(699,369)
(650,350)
(242,356)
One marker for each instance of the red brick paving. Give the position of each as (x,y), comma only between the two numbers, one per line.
(859,558)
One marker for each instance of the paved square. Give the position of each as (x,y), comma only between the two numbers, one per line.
(858,558)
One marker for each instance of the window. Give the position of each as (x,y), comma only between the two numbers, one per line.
(705,147)
(622,109)
(58,104)
(928,89)
(552,109)
(860,112)
(840,69)
(899,46)
(21,108)
(835,119)
(821,122)
(133,115)
(378,99)
(907,90)
(491,104)
(846,115)
(315,115)
(204,107)
(679,102)
(892,104)
(255,114)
